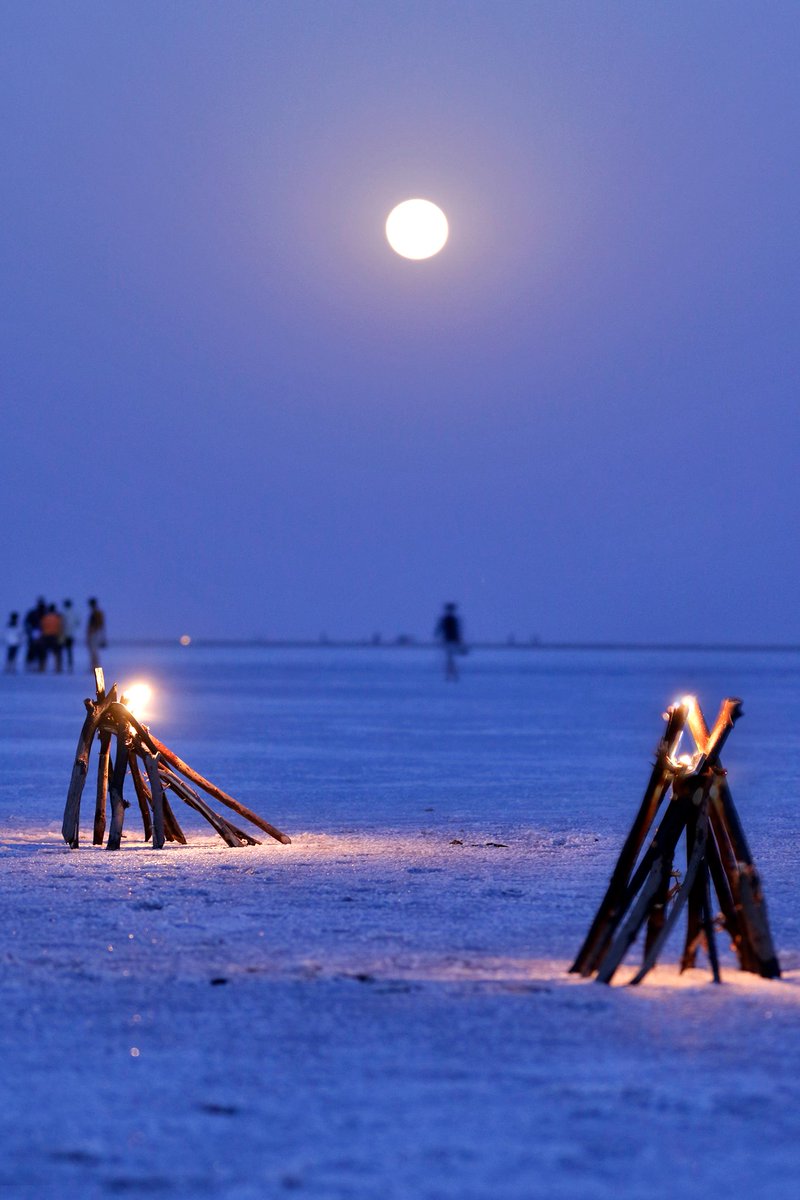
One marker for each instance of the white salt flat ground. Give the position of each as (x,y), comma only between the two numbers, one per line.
(377,1010)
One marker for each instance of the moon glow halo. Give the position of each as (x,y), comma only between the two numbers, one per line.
(416,229)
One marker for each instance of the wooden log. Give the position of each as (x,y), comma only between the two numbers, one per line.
(697,724)
(729,713)
(102,789)
(758,952)
(719,882)
(725,876)
(142,794)
(243,834)
(218,794)
(72,808)
(190,797)
(225,828)
(118,802)
(611,905)
(733,825)
(157,747)
(172,827)
(663,844)
(169,824)
(754,909)
(656,862)
(682,895)
(157,799)
(708,923)
(694,906)
(658,909)
(630,927)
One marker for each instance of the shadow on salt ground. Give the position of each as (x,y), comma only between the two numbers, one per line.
(176,873)
(390,843)
(517,974)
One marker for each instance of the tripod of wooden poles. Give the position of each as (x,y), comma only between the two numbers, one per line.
(646,891)
(155,771)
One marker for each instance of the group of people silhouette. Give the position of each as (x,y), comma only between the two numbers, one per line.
(46,632)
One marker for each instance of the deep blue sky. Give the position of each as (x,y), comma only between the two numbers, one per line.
(229,408)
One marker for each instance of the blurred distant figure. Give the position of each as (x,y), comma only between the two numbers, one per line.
(33,634)
(72,625)
(14,635)
(95,633)
(448,632)
(51,629)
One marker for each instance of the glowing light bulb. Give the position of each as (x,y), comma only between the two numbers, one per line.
(136,699)
(185,640)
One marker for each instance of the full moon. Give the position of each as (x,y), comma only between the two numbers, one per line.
(416,229)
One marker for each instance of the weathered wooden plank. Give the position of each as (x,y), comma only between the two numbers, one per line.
(95,712)
(708,923)
(682,895)
(102,788)
(612,903)
(728,866)
(169,756)
(190,797)
(157,797)
(657,864)
(694,906)
(754,909)
(142,793)
(172,826)
(118,802)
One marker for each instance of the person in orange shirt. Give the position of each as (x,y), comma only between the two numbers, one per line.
(52,631)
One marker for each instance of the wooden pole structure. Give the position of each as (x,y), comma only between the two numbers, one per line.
(109,717)
(642,891)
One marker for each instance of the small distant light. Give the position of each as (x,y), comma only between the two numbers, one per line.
(185,640)
(134,1051)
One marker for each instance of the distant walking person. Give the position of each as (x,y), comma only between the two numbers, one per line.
(72,626)
(95,633)
(14,635)
(51,628)
(448,632)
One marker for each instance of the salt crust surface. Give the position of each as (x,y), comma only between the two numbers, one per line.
(382,1008)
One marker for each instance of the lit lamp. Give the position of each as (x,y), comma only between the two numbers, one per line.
(136,699)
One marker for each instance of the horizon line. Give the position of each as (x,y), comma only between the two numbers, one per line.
(410,643)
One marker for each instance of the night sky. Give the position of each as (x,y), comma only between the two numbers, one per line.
(230,409)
